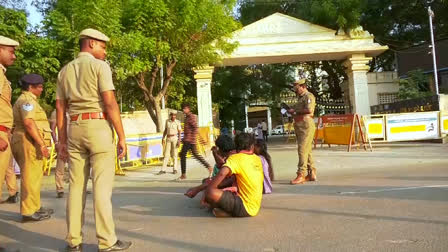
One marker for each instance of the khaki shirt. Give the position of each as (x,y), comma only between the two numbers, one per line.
(306,101)
(173,128)
(5,100)
(27,107)
(81,83)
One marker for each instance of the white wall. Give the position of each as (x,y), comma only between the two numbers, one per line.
(381,82)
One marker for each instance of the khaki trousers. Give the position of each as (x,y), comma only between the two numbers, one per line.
(10,178)
(170,151)
(59,175)
(5,159)
(91,147)
(30,160)
(304,135)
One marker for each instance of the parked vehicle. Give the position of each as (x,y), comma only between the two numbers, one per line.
(278,130)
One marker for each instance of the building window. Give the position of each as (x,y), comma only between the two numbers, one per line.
(384,98)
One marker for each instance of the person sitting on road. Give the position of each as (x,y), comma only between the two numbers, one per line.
(248,170)
(223,149)
(261,151)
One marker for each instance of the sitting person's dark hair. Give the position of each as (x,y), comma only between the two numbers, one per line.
(244,141)
(225,143)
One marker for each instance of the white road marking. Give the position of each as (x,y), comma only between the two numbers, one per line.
(401,241)
(137,229)
(395,189)
(137,208)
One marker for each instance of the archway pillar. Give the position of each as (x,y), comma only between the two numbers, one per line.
(203,77)
(357,69)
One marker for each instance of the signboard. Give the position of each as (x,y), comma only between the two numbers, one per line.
(375,127)
(144,147)
(337,128)
(415,126)
(444,123)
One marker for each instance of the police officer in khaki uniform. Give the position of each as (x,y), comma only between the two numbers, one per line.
(11,183)
(59,171)
(30,142)
(304,128)
(173,129)
(85,90)
(7,58)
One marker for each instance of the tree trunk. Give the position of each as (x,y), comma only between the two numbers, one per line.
(158,121)
(152,102)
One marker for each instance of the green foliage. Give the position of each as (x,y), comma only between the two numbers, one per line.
(13,23)
(173,35)
(415,86)
(401,24)
(146,36)
(233,87)
(333,14)
(40,55)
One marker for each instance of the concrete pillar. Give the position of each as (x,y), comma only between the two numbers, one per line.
(357,69)
(203,79)
(269,121)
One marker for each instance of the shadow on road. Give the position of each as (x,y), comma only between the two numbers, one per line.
(356,215)
(33,241)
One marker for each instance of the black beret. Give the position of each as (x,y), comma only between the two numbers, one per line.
(32,79)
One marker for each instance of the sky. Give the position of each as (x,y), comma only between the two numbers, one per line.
(34,17)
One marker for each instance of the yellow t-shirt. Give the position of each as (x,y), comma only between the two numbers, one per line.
(249,177)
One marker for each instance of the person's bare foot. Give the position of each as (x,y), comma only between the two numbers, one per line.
(191,193)
(182,177)
(219,213)
(204,204)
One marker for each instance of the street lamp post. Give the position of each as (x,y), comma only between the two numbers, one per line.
(436,78)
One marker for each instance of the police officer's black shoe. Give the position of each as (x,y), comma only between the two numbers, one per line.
(118,246)
(73,249)
(45,211)
(60,195)
(12,199)
(35,217)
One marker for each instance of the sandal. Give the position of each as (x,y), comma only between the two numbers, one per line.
(161,172)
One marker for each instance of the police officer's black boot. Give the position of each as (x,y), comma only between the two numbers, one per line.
(12,199)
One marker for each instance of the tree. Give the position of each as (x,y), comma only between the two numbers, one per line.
(402,24)
(235,87)
(415,86)
(169,34)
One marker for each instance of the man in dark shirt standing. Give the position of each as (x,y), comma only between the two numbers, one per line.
(190,142)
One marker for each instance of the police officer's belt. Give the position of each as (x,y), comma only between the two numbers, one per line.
(302,117)
(4,129)
(88,116)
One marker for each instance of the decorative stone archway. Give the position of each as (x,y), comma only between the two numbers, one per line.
(283,39)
